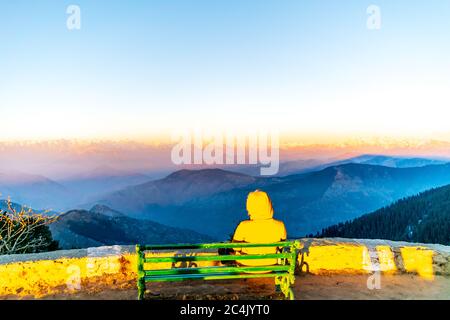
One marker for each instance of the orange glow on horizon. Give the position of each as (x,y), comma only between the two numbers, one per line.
(287,140)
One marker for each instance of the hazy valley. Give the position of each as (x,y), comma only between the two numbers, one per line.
(108,206)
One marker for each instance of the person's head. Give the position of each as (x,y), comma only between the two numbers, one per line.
(259,206)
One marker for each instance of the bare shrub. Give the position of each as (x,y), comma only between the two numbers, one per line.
(24,231)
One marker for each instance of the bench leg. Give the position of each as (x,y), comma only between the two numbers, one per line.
(291,294)
(141,289)
(283,284)
(286,288)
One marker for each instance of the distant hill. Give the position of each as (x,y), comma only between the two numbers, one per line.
(421,218)
(18,207)
(178,188)
(4,205)
(42,193)
(102,180)
(394,162)
(106,211)
(213,201)
(298,166)
(373,159)
(82,229)
(33,190)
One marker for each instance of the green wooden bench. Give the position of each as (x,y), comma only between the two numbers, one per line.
(283,272)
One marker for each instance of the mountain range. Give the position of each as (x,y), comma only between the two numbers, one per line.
(63,194)
(302,166)
(43,193)
(101,180)
(213,201)
(33,190)
(308,165)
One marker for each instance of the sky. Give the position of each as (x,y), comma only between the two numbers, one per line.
(309,69)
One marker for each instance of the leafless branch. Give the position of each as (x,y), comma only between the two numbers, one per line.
(18,229)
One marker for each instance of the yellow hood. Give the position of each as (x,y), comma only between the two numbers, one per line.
(259,206)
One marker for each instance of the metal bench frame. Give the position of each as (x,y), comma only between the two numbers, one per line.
(283,272)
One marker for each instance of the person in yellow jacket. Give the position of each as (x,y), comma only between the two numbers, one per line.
(260,228)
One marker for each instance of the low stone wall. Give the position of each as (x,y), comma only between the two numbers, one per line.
(325,256)
(92,269)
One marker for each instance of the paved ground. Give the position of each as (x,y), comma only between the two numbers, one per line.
(307,287)
(403,287)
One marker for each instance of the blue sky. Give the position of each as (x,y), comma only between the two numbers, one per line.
(307,67)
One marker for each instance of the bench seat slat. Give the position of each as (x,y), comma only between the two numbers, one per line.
(216,276)
(216,257)
(227,269)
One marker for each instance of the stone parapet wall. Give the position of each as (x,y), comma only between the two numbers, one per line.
(325,256)
(66,271)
